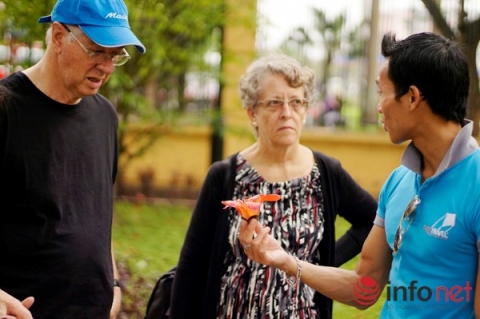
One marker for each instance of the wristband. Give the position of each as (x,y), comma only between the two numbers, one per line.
(116,283)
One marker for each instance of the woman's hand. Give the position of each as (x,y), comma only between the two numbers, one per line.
(260,246)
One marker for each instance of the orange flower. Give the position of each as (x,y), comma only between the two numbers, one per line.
(250,207)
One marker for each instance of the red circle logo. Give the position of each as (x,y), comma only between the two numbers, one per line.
(366,291)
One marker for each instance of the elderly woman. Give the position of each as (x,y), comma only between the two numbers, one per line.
(214,278)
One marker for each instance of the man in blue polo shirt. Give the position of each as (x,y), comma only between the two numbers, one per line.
(425,242)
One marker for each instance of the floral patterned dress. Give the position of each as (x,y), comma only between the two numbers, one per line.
(251,290)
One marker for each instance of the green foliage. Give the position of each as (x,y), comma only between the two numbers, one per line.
(176,33)
(173,32)
(176,38)
(21,17)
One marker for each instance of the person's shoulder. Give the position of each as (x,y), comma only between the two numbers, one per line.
(11,81)
(398,175)
(101,103)
(14,85)
(223,164)
(4,92)
(326,159)
(99,98)
(218,172)
(219,169)
(401,171)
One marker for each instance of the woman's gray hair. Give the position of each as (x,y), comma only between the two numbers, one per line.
(277,64)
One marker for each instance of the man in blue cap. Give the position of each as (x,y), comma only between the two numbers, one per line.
(58,161)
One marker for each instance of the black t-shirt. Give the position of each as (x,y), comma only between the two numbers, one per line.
(57,168)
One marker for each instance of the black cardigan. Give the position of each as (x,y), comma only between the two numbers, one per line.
(196,287)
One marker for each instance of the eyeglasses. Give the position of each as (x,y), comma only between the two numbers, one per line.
(277,104)
(117,59)
(408,215)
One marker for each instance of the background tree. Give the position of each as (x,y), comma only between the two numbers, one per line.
(298,41)
(331,34)
(467,31)
(327,34)
(150,88)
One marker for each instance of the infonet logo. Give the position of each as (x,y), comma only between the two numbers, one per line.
(366,292)
(115,15)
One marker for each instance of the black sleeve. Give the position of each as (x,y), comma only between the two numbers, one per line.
(3,129)
(190,283)
(359,208)
(349,200)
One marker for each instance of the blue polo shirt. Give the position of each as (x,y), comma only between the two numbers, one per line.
(434,272)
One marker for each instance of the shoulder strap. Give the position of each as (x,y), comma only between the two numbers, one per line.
(229,177)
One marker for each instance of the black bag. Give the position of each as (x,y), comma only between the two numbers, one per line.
(159,302)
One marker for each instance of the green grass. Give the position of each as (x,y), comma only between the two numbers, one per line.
(149,236)
(148,239)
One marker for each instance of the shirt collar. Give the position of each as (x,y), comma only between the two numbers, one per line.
(462,146)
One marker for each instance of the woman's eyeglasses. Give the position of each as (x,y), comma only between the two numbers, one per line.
(408,216)
(277,104)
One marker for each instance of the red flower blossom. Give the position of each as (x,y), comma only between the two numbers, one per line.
(250,207)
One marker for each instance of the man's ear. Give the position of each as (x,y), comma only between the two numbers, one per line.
(415,96)
(57,35)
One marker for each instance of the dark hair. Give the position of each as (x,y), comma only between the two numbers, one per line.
(435,65)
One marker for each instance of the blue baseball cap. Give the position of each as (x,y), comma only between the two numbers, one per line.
(104,22)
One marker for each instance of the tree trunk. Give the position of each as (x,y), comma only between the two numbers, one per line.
(470,37)
(473,110)
(181,82)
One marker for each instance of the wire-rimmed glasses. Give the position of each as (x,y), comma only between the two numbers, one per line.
(295,104)
(117,59)
(408,216)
